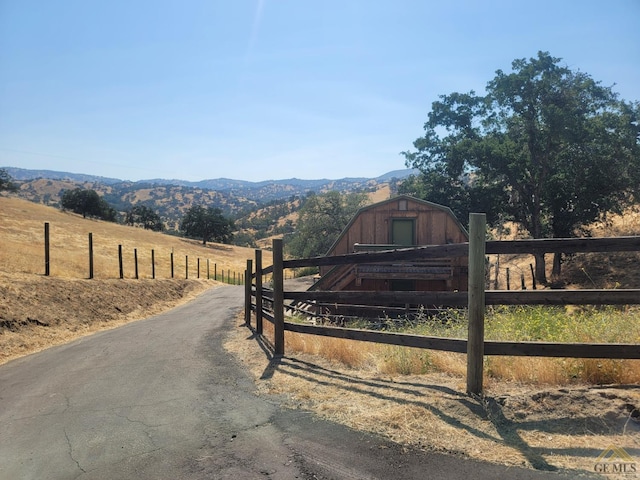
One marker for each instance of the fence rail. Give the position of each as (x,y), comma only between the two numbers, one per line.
(475,299)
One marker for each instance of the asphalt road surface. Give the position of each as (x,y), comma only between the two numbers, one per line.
(161,399)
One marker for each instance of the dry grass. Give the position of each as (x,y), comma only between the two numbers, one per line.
(22,235)
(37,311)
(514,424)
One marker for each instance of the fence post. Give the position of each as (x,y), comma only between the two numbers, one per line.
(475,340)
(278,297)
(533,276)
(153,264)
(90,256)
(120,261)
(135,260)
(247,292)
(47,258)
(258,292)
(208,276)
(171,263)
(198,267)
(186,266)
(215,271)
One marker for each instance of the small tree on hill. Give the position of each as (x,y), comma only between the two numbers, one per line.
(145,217)
(209,224)
(6,182)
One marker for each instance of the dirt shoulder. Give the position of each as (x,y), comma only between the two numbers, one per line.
(38,312)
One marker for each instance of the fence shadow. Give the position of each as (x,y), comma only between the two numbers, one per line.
(455,408)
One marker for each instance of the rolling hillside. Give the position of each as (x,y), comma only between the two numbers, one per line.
(247,201)
(38,311)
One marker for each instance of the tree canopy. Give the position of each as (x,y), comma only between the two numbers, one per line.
(547,147)
(6,182)
(322,218)
(208,224)
(145,217)
(88,203)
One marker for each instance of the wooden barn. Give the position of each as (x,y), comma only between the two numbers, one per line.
(399,222)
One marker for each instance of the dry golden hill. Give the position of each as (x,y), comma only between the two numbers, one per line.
(38,311)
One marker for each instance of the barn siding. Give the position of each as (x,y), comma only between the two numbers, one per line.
(434,225)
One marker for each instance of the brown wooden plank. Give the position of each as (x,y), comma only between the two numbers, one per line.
(566,245)
(546,245)
(387,338)
(452,299)
(563,297)
(459,299)
(569,350)
(410,254)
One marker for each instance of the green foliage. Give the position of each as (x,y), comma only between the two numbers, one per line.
(6,182)
(322,219)
(523,323)
(145,217)
(243,239)
(263,221)
(88,203)
(554,324)
(306,271)
(209,224)
(533,323)
(548,147)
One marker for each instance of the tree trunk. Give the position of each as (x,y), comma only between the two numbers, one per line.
(557,266)
(541,275)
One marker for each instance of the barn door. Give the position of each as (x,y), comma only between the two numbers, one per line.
(403,231)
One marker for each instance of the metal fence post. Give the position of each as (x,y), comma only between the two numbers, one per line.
(90,255)
(47,257)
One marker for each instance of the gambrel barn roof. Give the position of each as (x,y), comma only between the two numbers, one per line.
(433,206)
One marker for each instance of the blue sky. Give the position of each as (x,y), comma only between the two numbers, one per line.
(270,89)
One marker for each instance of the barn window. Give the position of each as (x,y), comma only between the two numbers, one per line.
(402,205)
(403,231)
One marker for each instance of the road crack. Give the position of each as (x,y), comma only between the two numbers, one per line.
(66,435)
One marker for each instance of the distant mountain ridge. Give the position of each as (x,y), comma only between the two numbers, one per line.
(238,199)
(219,184)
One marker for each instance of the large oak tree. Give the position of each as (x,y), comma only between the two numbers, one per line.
(208,224)
(547,146)
(88,203)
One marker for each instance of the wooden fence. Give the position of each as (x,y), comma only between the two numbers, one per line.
(475,299)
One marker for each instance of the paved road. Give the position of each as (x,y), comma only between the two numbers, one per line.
(161,399)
